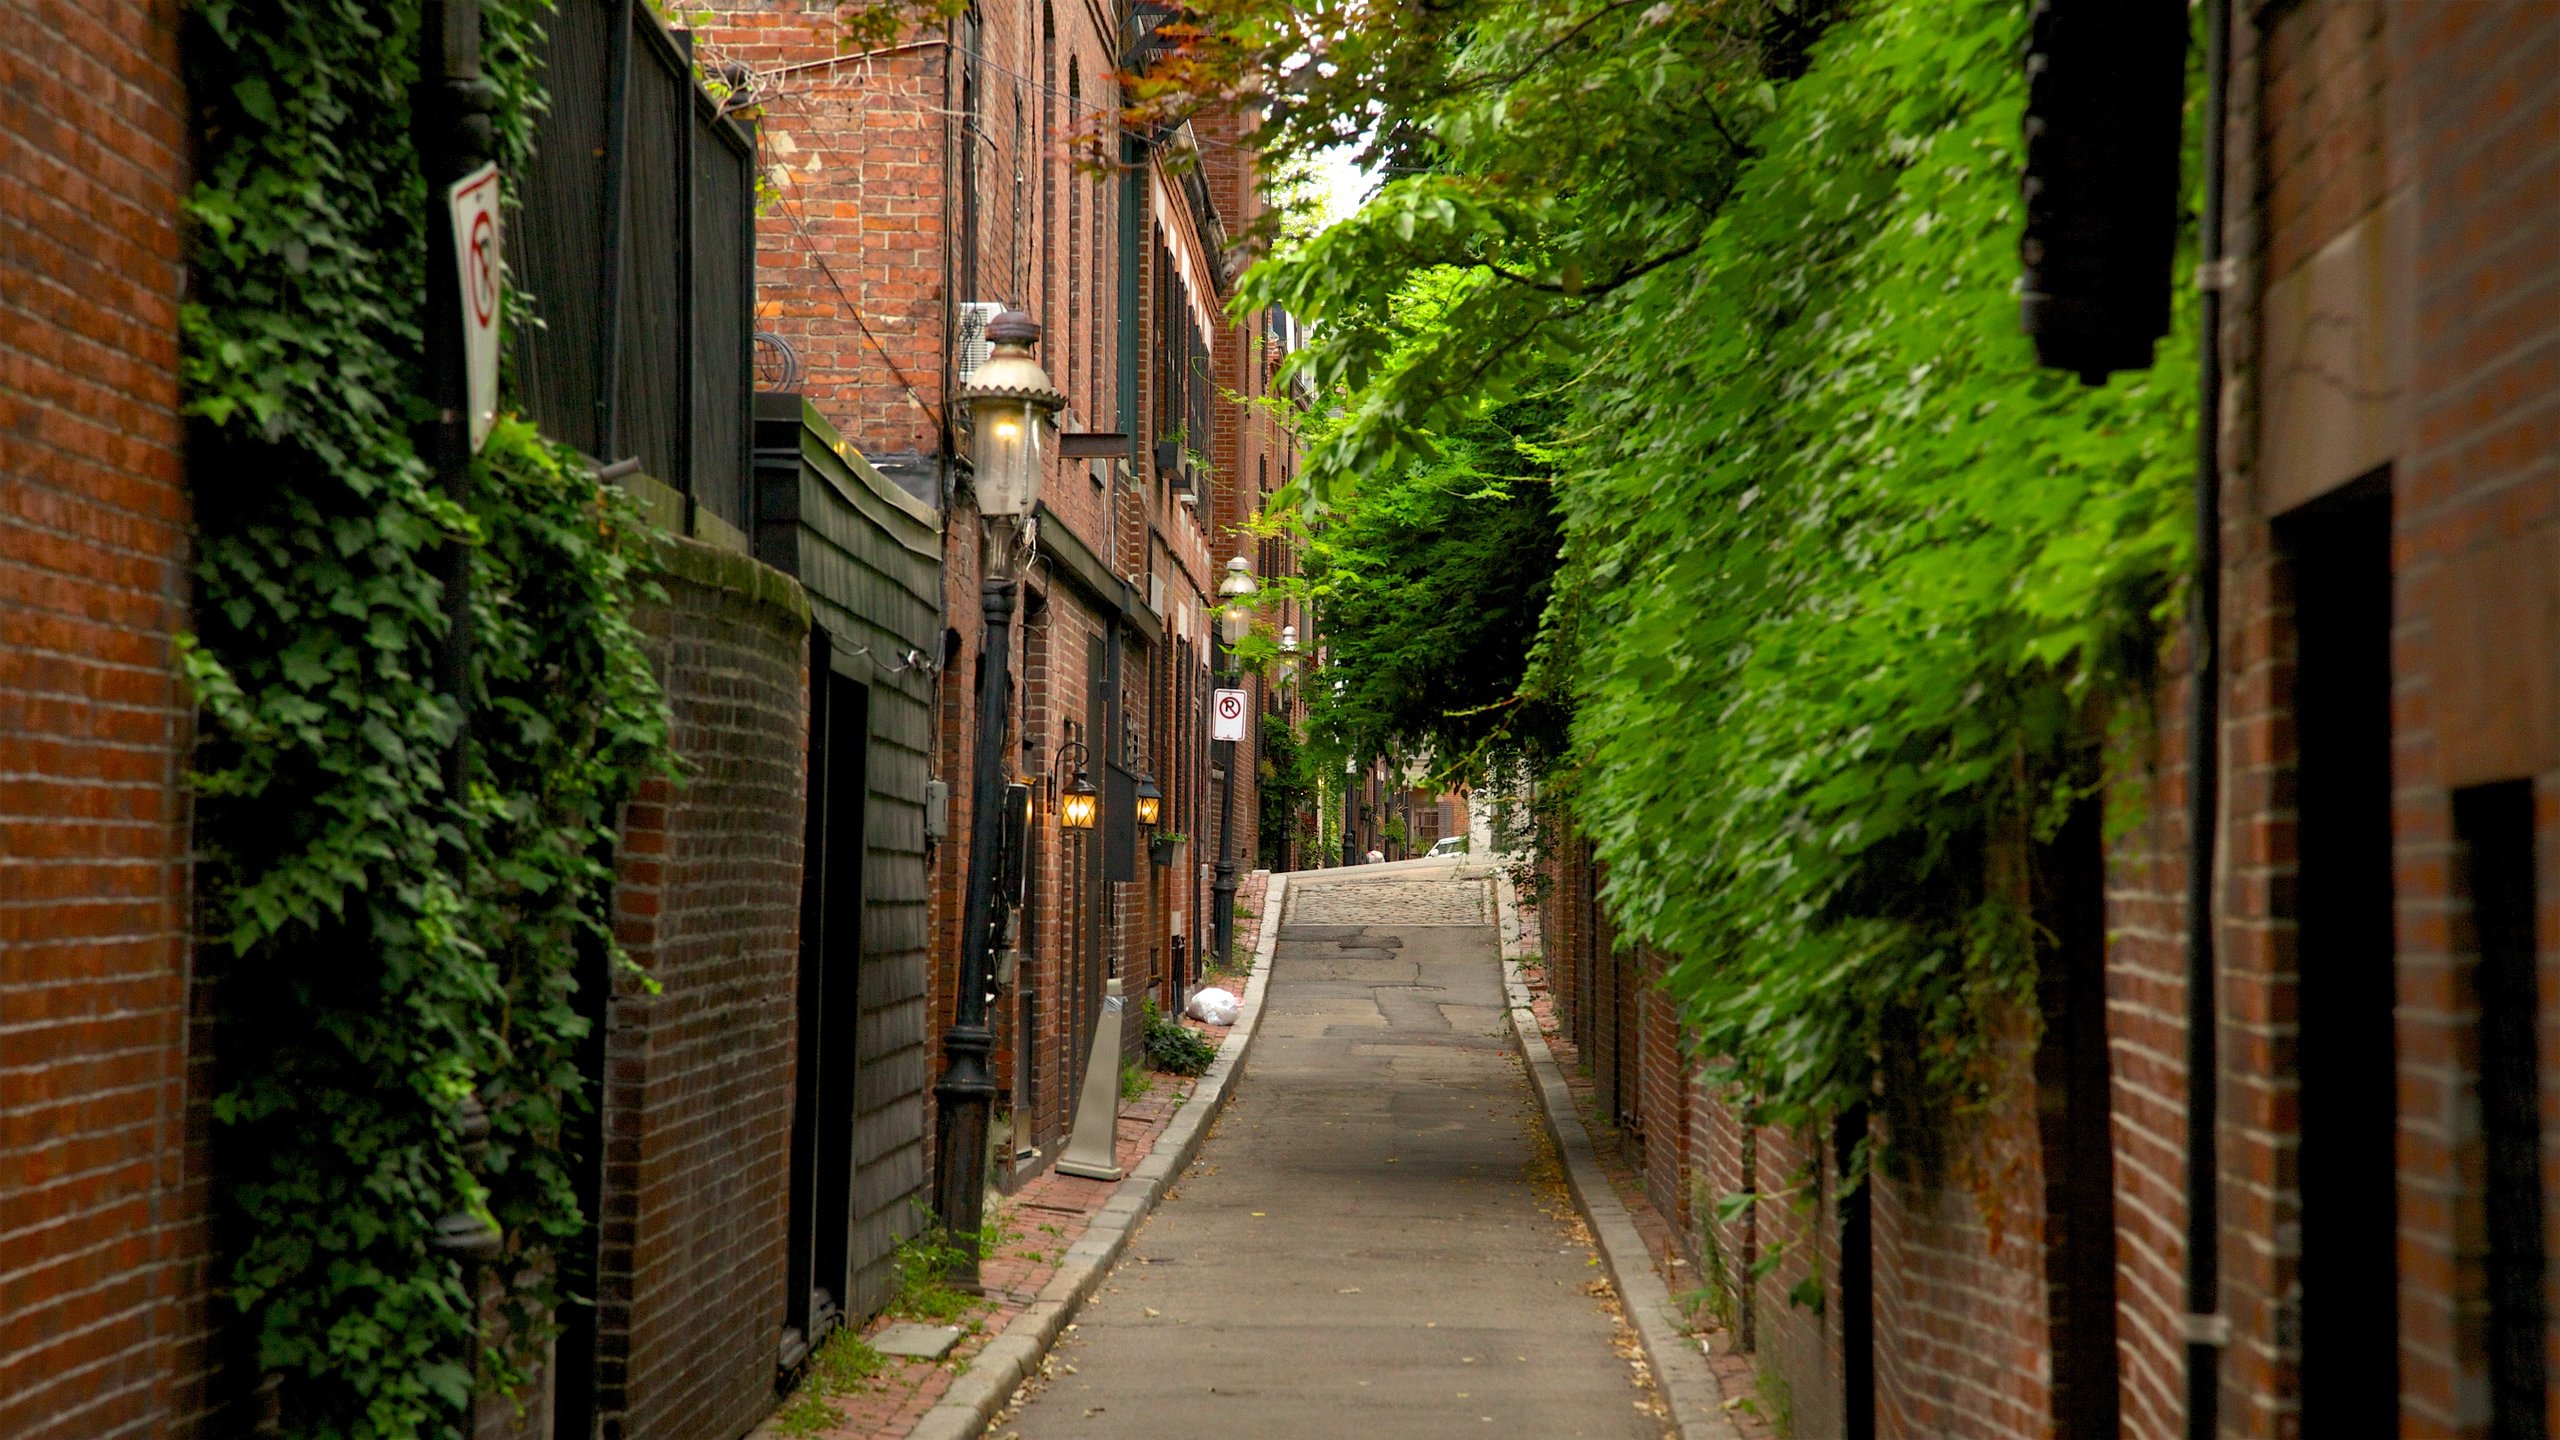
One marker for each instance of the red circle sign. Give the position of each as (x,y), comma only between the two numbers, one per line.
(1230,706)
(484,267)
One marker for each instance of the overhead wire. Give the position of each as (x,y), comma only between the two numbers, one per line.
(1046,90)
(755,91)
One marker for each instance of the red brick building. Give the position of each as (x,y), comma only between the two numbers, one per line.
(103,1244)
(2386,932)
(920,187)
(113,1319)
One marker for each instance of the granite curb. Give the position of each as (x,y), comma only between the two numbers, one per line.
(1006,1361)
(1680,1372)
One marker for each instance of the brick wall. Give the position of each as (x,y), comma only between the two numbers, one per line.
(2146,1029)
(1961,1285)
(2393,169)
(1798,1346)
(851,254)
(1960,1278)
(2477,555)
(1663,1072)
(697,1100)
(1061,963)
(103,1311)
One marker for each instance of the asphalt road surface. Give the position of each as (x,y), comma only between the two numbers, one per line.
(1374,1242)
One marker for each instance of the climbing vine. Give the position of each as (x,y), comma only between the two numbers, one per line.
(1866,589)
(1851,595)
(381,950)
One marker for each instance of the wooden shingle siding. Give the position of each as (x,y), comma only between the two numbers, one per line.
(870,556)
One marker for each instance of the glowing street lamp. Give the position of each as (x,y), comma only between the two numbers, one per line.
(1012,407)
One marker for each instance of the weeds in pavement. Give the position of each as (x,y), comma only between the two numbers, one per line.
(839,1367)
(925,1264)
(1174,1047)
(1134,1081)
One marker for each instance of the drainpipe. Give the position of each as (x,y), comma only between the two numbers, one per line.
(2207,1330)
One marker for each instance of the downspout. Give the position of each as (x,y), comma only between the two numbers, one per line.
(1133,199)
(946,437)
(2207,1331)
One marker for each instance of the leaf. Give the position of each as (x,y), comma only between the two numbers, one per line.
(255,97)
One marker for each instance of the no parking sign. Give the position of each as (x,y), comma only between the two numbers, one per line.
(1226,715)
(474,203)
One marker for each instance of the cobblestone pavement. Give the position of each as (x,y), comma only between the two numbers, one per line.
(1347,897)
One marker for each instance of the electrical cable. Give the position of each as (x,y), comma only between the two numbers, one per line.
(800,223)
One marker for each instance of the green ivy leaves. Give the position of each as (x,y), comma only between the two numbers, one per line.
(1850,592)
(381,949)
(1867,598)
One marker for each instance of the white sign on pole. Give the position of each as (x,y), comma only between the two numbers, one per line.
(1226,715)
(474,202)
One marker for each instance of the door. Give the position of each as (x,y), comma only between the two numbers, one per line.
(828,1007)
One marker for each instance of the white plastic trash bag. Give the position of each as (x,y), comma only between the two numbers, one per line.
(1212,1006)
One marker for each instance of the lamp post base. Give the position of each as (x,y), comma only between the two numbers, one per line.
(963,1103)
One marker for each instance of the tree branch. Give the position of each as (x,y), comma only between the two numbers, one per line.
(1593,292)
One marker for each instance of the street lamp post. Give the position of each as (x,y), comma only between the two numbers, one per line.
(1286,858)
(1235,621)
(1011,404)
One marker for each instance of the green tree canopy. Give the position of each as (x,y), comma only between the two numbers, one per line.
(1431,583)
(1852,592)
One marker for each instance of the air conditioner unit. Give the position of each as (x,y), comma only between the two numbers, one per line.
(974,347)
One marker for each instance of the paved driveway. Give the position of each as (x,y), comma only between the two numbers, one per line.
(1374,1242)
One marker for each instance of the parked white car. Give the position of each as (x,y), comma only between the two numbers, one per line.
(1447,845)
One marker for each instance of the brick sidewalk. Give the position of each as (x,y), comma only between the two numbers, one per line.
(1037,1223)
(1735,1371)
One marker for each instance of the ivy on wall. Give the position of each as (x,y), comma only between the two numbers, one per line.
(1851,595)
(1866,589)
(381,949)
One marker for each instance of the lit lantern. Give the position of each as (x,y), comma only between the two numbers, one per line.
(1012,406)
(1235,619)
(1076,807)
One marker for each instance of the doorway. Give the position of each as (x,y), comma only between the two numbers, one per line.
(2494,824)
(2075,1118)
(828,1006)
(2339,549)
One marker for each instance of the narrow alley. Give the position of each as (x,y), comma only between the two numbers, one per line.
(1376,1239)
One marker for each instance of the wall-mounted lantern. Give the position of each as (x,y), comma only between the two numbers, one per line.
(1077,805)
